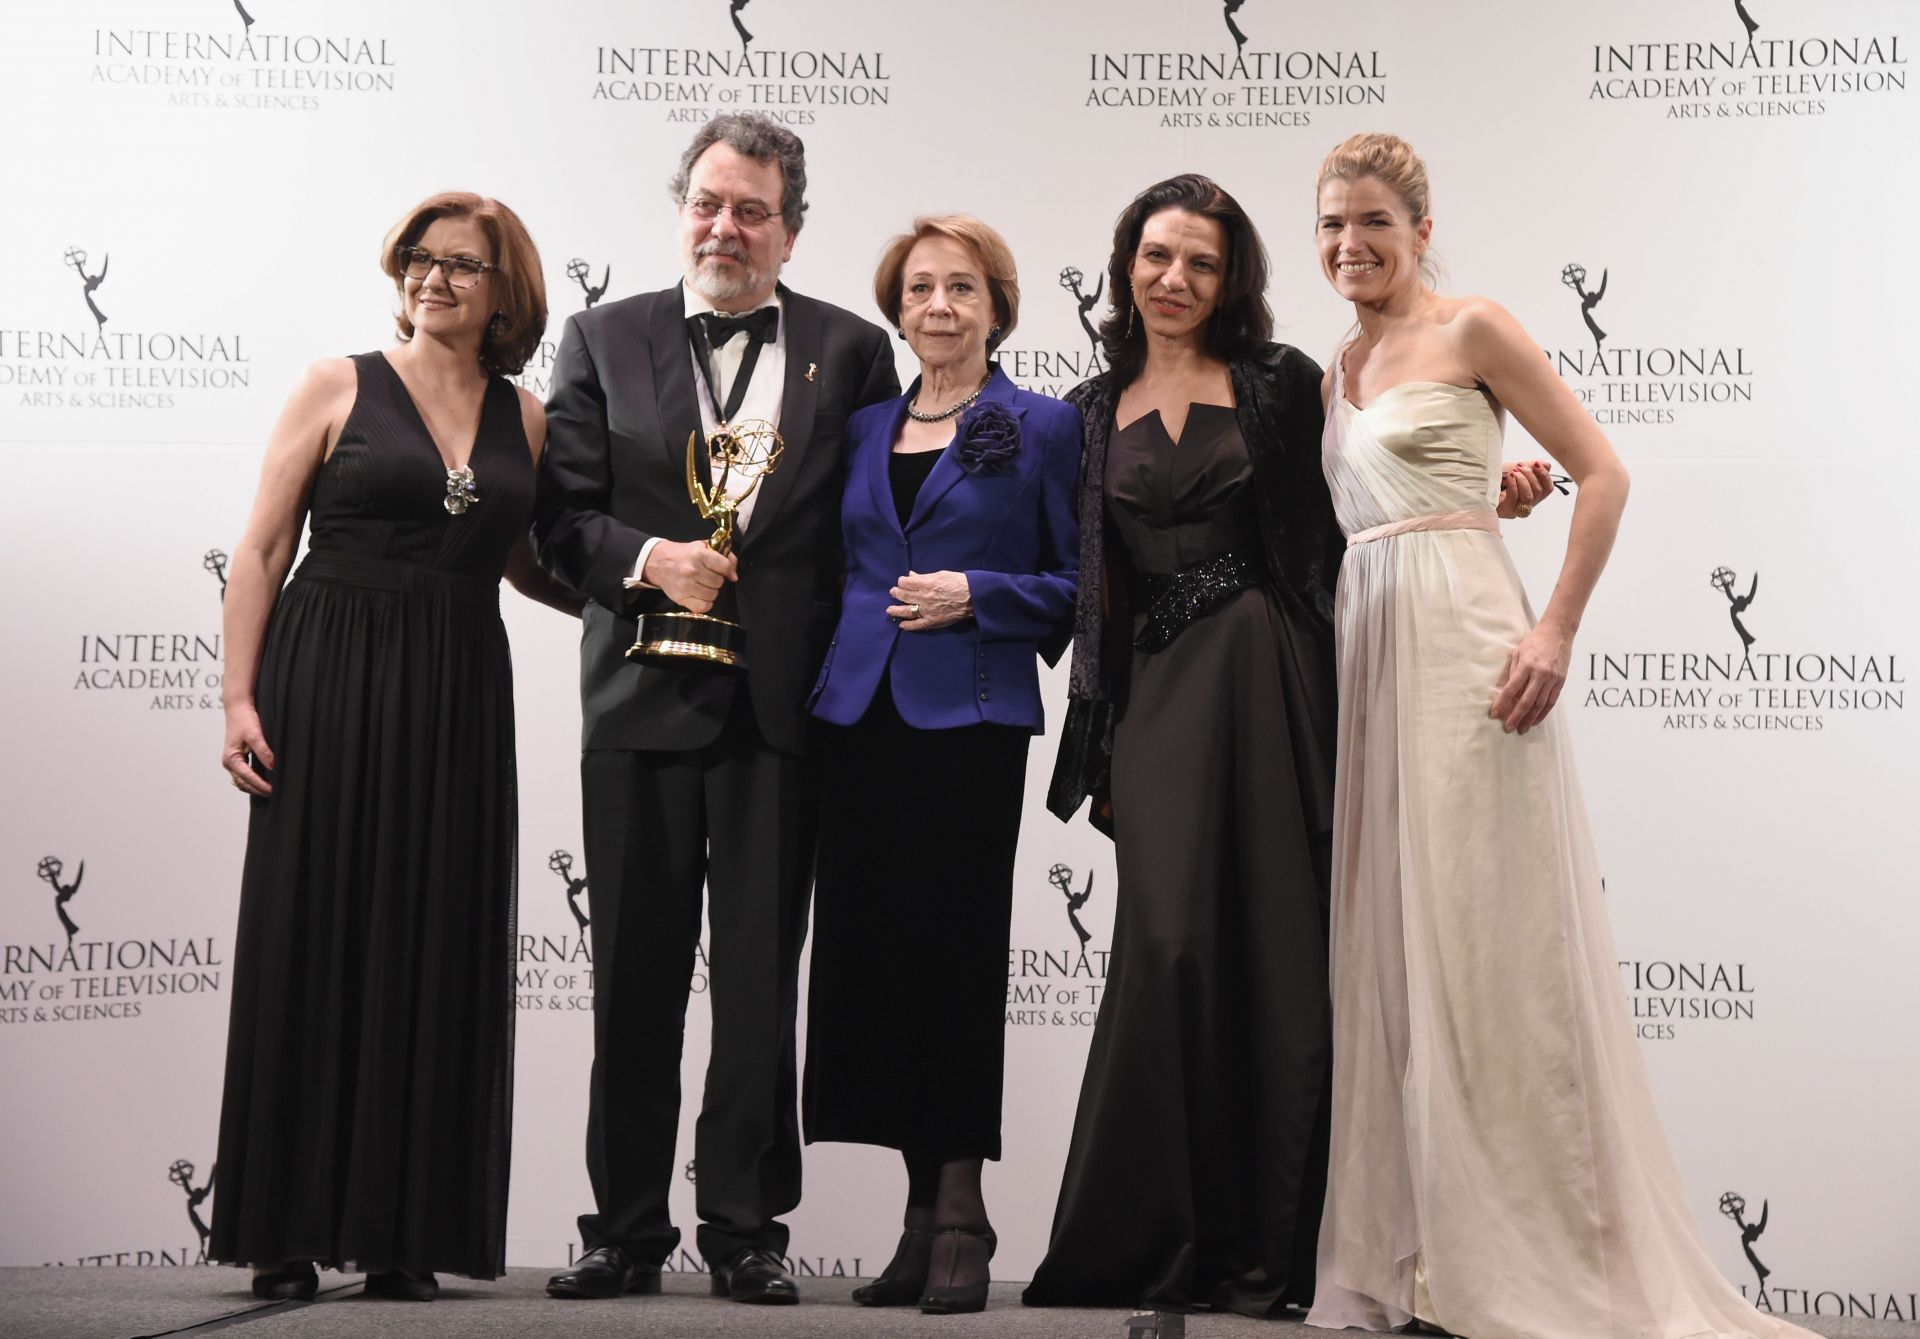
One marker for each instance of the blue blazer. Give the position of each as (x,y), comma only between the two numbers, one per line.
(1010,529)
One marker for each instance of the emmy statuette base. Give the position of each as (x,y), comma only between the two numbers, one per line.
(690,641)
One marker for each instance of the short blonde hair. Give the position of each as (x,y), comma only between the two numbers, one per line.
(987,246)
(522,290)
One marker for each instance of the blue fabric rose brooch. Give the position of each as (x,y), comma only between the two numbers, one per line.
(989,439)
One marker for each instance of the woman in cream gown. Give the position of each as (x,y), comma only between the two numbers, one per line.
(1498,1168)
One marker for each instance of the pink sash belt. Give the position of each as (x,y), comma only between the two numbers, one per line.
(1478,518)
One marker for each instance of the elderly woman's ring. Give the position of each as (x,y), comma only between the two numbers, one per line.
(916,610)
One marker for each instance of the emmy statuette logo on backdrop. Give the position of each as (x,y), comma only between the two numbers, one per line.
(1724,581)
(50,870)
(102,977)
(553,973)
(1239,38)
(1070,279)
(1649,384)
(207,56)
(1709,67)
(181,1174)
(580,272)
(1056,982)
(561,863)
(1901,1302)
(176,1256)
(1796,691)
(1575,277)
(1056,368)
(216,563)
(1061,877)
(136,366)
(739,456)
(693,76)
(90,283)
(1734,1205)
(1192,84)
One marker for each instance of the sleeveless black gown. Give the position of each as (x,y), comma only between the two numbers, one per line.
(369,1057)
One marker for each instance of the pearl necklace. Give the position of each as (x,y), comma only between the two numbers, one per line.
(918,417)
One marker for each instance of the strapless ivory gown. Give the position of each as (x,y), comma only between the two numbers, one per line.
(1498,1167)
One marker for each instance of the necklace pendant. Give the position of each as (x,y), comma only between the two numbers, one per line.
(461,492)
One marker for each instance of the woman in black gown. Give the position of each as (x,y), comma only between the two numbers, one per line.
(369,716)
(1201,719)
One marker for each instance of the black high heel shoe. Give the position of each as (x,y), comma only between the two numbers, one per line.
(296,1281)
(905,1278)
(966,1246)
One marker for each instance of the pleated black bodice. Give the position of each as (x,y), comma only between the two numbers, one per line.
(381,494)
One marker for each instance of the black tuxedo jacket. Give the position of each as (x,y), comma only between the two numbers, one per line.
(614,475)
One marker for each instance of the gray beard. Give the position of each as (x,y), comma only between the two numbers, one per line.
(717,288)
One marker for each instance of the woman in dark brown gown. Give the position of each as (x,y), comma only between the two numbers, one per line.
(1201,722)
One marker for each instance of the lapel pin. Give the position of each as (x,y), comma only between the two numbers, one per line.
(811,369)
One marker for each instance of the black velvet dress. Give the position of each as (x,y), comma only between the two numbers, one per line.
(369,1078)
(1198,1163)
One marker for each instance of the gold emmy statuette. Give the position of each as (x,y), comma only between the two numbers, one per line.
(739,456)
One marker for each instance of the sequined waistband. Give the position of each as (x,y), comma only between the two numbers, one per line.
(1476,518)
(1178,598)
(391,574)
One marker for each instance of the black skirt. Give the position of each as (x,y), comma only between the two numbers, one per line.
(912,901)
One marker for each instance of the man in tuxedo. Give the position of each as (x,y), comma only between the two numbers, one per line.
(693,778)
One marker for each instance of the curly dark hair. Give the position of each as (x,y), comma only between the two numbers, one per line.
(1242,322)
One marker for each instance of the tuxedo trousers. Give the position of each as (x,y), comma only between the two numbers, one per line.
(738,819)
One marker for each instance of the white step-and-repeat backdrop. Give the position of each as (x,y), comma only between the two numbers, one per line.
(1702,209)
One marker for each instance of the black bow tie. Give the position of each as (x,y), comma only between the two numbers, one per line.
(762,324)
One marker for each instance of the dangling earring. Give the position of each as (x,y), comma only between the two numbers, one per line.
(1130,311)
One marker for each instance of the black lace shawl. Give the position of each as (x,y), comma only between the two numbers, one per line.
(1277,399)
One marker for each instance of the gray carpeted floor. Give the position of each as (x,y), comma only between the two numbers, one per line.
(135,1303)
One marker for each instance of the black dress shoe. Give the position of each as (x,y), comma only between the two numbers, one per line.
(604,1271)
(398,1285)
(755,1275)
(904,1279)
(296,1282)
(958,1250)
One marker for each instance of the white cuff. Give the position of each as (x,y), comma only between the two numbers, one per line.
(636,581)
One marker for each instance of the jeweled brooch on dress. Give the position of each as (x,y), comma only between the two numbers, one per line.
(461,493)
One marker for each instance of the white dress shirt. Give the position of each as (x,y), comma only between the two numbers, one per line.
(764,392)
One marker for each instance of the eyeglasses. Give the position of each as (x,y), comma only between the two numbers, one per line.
(461,271)
(746,215)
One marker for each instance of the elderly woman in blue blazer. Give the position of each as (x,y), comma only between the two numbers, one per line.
(962,563)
